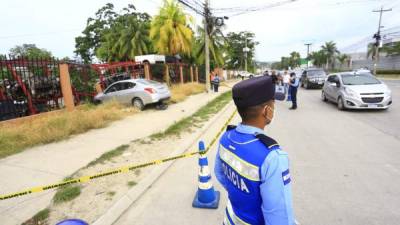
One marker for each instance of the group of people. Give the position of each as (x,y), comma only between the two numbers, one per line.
(289,82)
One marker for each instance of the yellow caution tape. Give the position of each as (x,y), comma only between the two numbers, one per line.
(124,169)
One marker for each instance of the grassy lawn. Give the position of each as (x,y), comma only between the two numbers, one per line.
(389,76)
(56,126)
(180,92)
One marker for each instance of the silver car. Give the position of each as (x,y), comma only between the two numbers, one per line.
(138,92)
(351,90)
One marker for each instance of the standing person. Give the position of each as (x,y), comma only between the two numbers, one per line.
(250,165)
(294,84)
(216,83)
(212,81)
(274,76)
(286,80)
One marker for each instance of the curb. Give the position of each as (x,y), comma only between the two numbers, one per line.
(123,204)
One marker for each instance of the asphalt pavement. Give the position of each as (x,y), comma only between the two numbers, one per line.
(345,167)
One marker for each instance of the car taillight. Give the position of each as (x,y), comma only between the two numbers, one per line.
(150,90)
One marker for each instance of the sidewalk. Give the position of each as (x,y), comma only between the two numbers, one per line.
(53,162)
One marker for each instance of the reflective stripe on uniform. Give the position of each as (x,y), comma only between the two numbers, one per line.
(242,167)
(236,220)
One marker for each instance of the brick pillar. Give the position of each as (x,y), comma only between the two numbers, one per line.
(66,88)
(191,73)
(166,74)
(147,71)
(197,74)
(181,73)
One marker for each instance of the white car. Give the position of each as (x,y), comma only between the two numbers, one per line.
(138,92)
(245,74)
(352,90)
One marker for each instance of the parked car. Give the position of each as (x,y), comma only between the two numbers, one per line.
(352,90)
(313,77)
(245,74)
(138,92)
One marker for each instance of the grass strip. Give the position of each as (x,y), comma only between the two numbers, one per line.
(39,218)
(199,116)
(67,193)
(109,155)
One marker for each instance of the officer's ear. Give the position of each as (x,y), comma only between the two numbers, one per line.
(268,111)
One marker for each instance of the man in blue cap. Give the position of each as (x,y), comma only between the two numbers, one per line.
(250,165)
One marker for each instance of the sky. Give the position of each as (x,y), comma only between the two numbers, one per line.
(54,24)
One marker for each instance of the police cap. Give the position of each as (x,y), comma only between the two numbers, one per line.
(255,91)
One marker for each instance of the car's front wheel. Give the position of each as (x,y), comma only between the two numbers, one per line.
(340,103)
(323,96)
(306,85)
(138,103)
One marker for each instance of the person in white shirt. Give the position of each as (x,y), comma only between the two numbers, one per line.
(286,81)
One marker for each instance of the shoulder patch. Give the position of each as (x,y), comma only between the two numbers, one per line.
(267,141)
(230,127)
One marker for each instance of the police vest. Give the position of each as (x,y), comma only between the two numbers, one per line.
(242,156)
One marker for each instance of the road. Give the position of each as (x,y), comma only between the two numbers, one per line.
(345,168)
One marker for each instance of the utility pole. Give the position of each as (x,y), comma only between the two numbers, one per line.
(245,50)
(207,42)
(377,37)
(308,51)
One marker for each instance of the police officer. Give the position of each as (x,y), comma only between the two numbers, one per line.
(250,165)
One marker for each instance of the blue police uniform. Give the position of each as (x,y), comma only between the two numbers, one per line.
(255,173)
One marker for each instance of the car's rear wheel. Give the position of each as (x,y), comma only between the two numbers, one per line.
(340,103)
(323,96)
(251,76)
(138,103)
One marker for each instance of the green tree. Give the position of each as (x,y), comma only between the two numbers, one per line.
(126,37)
(330,50)
(170,32)
(318,58)
(234,44)
(216,48)
(29,51)
(392,49)
(294,59)
(343,58)
(371,51)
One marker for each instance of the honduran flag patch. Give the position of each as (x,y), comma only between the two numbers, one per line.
(286,177)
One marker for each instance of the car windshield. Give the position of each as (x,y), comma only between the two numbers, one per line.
(314,73)
(361,79)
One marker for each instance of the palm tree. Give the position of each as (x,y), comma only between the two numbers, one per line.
(318,58)
(216,45)
(170,32)
(330,50)
(294,59)
(343,58)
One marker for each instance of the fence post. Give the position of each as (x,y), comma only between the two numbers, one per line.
(147,71)
(191,73)
(166,74)
(181,72)
(197,74)
(66,88)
